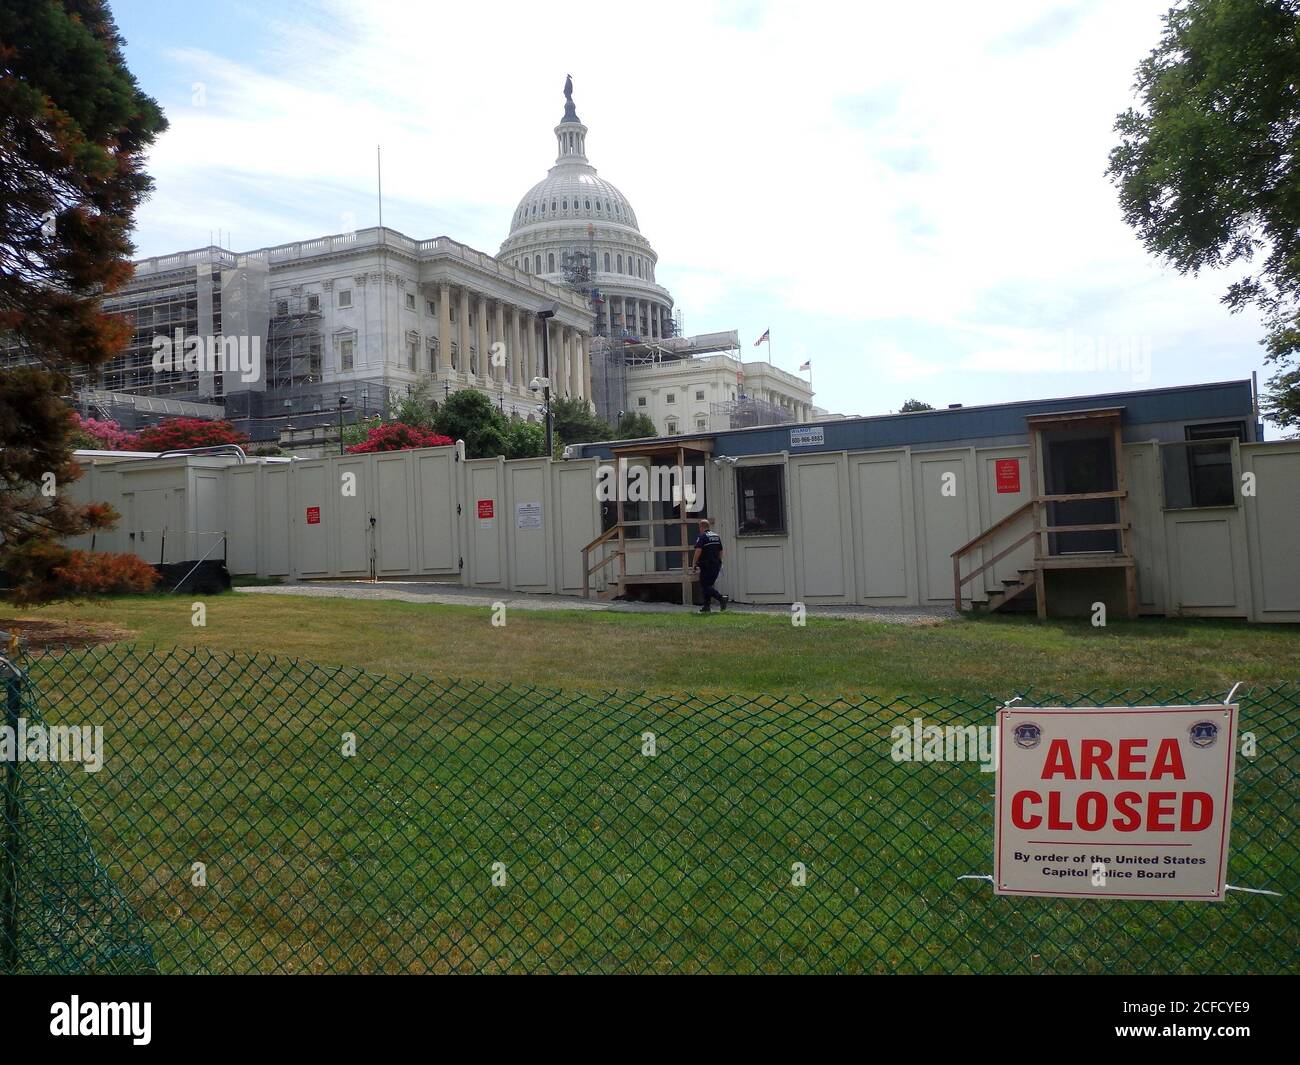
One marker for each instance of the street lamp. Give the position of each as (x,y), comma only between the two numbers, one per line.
(545,314)
(343,402)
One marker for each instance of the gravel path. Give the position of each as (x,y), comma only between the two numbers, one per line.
(455,595)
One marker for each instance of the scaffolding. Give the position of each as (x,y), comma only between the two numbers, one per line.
(293,342)
(608,379)
(263,415)
(130,409)
(746,412)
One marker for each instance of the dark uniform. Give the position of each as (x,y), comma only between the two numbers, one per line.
(709,545)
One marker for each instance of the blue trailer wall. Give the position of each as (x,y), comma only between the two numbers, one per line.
(1158,414)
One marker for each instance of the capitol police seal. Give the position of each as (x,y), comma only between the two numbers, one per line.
(1203,734)
(1027,735)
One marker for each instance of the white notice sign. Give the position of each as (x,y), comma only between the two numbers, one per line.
(528,516)
(1120,802)
(814,436)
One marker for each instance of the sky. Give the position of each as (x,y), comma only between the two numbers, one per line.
(911,196)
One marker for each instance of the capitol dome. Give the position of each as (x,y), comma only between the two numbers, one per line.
(574,227)
(573,193)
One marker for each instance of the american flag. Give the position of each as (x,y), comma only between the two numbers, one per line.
(765,336)
(806,366)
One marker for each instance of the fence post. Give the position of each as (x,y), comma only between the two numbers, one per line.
(12,836)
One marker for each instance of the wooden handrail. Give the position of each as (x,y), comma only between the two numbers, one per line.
(639,524)
(1110,526)
(601,538)
(588,569)
(1008,519)
(618,529)
(604,560)
(997,558)
(1071,497)
(958,580)
(982,537)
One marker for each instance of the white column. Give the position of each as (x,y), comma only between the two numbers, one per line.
(566,338)
(585,379)
(462,315)
(575,356)
(481,332)
(499,328)
(575,365)
(516,351)
(444,326)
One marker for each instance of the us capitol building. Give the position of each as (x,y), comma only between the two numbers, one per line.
(344,324)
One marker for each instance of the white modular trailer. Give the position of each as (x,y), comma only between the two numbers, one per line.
(169,509)
(518,525)
(876,528)
(871,527)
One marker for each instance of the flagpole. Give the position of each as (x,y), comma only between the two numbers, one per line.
(769,347)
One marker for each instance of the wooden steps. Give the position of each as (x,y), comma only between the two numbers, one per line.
(1012,587)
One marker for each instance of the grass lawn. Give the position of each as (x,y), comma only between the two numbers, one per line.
(728,653)
(615,861)
(612,860)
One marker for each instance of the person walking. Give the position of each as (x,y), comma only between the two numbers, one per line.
(708,564)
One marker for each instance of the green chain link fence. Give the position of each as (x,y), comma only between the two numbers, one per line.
(494,828)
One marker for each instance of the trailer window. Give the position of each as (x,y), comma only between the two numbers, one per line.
(1198,474)
(1216,431)
(760,500)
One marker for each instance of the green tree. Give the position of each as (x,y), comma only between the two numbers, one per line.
(470,416)
(914,405)
(1208,166)
(358,432)
(74,128)
(634,425)
(576,422)
(417,407)
(525,440)
(36,468)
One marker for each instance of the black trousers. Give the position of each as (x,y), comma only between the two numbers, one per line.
(707,579)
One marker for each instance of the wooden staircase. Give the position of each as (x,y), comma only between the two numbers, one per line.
(1034,576)
(1012,587)
(1049,552)
(596,556)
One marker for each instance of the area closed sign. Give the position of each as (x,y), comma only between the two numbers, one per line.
(1116,802)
